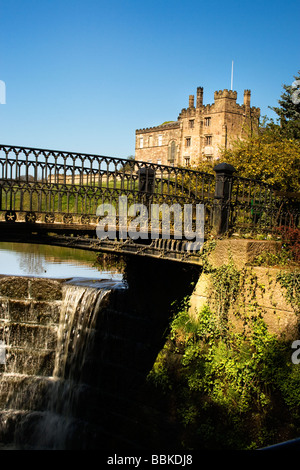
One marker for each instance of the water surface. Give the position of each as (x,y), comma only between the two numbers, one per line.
(20,259)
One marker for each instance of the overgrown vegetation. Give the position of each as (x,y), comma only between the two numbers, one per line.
(291,282)
(291,241)
(230,388)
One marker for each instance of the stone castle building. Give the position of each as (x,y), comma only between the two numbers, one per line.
(199,132)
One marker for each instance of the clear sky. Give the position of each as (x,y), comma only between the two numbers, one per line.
(83,75)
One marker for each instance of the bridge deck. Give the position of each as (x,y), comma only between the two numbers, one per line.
(53,197)
(85,238)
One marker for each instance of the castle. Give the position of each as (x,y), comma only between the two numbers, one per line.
(199,132)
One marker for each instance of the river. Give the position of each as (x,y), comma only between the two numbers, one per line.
(20,259)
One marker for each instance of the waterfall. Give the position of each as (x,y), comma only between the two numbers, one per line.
(63,424)
(76,328)
(76,355)
(51,412)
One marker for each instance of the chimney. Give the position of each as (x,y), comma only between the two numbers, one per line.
(191,101)
(199,96)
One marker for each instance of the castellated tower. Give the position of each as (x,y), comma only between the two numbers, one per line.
(199,132)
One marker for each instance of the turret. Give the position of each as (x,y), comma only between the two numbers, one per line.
(199,96)
(247,98)
(191,101)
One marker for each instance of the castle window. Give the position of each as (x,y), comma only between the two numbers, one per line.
(191,123)
(159,140)
(208,140)
(187,161)
(172,151)
(207,121)
(141,142)
(188,141)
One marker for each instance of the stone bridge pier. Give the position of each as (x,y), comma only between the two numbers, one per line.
(261,291)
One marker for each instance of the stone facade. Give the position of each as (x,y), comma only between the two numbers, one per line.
(261,294)
(199,132)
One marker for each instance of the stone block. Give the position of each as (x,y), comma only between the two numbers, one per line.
(33,311)
(18,310)
(14,287)
(241,252)
(27,336)
(45,289)
(30,362)
(4,309)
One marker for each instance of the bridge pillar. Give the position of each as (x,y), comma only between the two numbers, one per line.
(222,198)
(146,180)
(1,184)
(146,185)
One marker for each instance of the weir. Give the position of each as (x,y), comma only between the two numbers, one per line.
(77,354)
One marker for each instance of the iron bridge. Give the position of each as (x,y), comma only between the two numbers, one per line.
(52,197)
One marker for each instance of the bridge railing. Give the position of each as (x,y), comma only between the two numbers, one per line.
(51,185)
(50,182)
(247,205)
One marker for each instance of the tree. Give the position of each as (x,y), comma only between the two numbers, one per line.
(128,165)
(289,110)
(270,158)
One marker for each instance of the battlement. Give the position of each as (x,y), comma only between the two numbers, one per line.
(225,94)
(161,127)
(200,131)
(255,111)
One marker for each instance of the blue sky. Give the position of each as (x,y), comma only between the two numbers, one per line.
(83,75)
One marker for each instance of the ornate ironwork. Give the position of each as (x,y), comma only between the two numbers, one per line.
(260,206)
(39,185)
(51,186)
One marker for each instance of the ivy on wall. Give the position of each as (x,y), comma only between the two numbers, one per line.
(230,388)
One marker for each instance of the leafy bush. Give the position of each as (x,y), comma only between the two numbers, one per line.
(291,240)
(229,385)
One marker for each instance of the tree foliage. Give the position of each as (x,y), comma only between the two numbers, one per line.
(267,157)
(288,110)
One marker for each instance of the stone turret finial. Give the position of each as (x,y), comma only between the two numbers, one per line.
(199,96)
(247,98)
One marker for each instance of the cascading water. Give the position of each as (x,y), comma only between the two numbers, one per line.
(62,422)
(60,425)
(78,355)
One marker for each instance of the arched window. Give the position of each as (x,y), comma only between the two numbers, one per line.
(172,151)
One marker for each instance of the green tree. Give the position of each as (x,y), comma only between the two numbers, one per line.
(288,110)
(128,164)
(270,158)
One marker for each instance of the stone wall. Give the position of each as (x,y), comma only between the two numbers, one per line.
(156,149)
(200,131)
(262,293)
(29,317)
